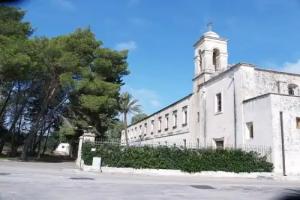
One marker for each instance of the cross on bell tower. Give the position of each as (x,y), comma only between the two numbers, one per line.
(209,26)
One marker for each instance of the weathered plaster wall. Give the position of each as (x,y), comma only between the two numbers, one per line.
(142,131)
(258,111)
(251,82)
(217,125)
(274,82)
(290,106)
(178,138)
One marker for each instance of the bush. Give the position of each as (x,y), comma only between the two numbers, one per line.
(188,160)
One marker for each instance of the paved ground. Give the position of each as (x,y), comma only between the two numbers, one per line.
(39,181)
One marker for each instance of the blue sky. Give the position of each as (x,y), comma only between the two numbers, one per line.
(160,35)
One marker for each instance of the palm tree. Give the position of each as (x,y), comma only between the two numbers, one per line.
(128,105)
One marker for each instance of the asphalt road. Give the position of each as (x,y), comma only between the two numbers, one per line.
(39,181)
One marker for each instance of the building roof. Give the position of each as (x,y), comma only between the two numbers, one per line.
(243,64)
(277,72)
(211,34)
(267,94)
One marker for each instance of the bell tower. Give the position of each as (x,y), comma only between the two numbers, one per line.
(211,56)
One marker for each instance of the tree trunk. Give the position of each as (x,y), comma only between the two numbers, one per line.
(14,146)
(45,144)
(2,143)
(6,102)
(126,133)
(43,131)
(36,126)
(26,146)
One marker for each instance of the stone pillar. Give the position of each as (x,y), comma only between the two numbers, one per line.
(89,137)
(86,137)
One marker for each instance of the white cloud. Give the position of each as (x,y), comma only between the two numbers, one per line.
(292,67)
(129,45)
(155,103)
(148,99)
(65,4)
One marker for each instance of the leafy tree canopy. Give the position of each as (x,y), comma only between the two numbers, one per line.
(138,117)
(45,80)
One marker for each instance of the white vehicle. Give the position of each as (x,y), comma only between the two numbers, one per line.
(63,149)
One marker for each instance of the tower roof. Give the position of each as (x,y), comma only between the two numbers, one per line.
(211,34)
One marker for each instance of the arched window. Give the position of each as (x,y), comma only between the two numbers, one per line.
(292,89)
(200,61)
(216,57)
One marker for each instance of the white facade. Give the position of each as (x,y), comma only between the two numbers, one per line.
(63,149)
(231,106)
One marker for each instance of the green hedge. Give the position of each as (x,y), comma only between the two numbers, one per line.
(187,160)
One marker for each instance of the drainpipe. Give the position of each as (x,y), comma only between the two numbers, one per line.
(204,124)
(282,144)
(234,113)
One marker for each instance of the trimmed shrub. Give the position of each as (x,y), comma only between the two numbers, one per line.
(188,160)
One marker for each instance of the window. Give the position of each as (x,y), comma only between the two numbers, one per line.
(249,130)
(218,103)
(152,126)
(184,143)
(200,61)
(159,124)
(185,116)
(198,117)
(145,128)
(292,89)
(174,119)
(216,62)
(167,122)
(219,144)
(298,122)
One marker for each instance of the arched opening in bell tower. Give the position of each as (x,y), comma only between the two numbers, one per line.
(200,61)
(216,59)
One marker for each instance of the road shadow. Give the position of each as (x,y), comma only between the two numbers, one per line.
(290,195)
(47,158)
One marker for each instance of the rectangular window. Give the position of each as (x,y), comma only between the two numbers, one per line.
(298,122)
(218,103)
(174,119)
(152,126)
(167,122)
(198,117)
(249,130)
(145,128)
(184,143)
(219,144)
(159,124)
(291,91)
(185,116)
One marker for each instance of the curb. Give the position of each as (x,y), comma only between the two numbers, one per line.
(178,173)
